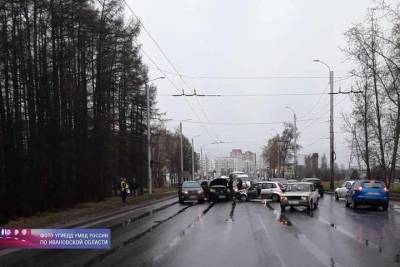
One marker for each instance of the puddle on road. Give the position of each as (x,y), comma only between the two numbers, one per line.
(181,235)
(131,240)
(141,216)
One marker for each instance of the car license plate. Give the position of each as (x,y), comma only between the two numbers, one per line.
(292,202)
(373,194)
(221,197)
(192,197)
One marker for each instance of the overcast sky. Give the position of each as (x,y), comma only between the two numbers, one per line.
(212,39)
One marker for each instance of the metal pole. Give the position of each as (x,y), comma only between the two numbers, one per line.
(148,142)
(192,160)
(181,137)
(295,146)
(332,152)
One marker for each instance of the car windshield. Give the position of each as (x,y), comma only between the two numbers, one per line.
(298,188)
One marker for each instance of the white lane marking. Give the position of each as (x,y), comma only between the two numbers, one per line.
(273,247)
(316,251)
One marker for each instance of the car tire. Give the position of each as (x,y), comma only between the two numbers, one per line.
(347,203)
(275,198)
(201,200)
(385,207)
(283,208)
(336,196)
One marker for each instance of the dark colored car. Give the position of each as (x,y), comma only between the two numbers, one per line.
(317,183)
(368,192)
(191,191)
(218,189)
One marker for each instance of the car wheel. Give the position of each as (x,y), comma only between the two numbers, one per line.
(385,207)
(201,200)
(275,198)
(336,196)
(283,208)
(347,203)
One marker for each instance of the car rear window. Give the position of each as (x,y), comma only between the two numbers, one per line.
(373,185)
(220,181)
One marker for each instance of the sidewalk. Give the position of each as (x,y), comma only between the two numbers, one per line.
(89,211)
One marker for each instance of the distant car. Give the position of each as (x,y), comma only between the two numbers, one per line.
(218,189)
(292,181)
(191,191)
(265,190)
(368,192)
(300,194)
(341,192)
(317,183)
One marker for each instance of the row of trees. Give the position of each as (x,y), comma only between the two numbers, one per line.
(374,47)
(279,150)
(72,104)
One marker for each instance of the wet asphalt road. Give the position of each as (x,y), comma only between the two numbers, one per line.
(238,234)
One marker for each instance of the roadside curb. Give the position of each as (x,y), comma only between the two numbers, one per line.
(121,211)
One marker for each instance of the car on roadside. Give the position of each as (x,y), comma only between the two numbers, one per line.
(264,190)
(191,191)
(341,192)
(283,181)
(218,189)
(303,194)
(317,182)
(368,192)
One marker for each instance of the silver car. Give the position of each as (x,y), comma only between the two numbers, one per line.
(341,192)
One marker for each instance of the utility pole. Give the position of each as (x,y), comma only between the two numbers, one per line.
(148,141)
(181,140)
(331,134)
(332,152)
(150,180)
(192,160)
(295,146)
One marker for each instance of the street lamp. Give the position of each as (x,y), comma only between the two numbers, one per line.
(295,140)
(193,155)
(332,137)
(149,134)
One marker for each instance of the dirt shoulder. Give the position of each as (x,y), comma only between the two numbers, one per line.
(88,210)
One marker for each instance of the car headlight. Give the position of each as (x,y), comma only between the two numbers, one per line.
(304,198)
(185,192)
(284,198)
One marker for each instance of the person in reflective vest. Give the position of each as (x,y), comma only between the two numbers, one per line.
(124,189)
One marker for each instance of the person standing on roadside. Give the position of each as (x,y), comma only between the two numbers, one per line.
(124,189)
